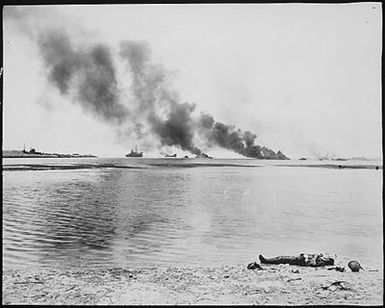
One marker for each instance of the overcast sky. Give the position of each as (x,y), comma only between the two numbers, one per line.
(304,77)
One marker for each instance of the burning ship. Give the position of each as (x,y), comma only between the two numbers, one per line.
(176,125)
(134,153)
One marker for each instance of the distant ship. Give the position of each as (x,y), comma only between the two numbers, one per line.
(135,153)
(203,155)
(173,155)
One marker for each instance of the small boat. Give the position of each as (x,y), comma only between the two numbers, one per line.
(134,153)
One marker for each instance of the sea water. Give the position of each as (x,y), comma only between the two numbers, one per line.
(141,212)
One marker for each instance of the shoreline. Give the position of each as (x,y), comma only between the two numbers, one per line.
(194,285)
(34,154)
(49,156)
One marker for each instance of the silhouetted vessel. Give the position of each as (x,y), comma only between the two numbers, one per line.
(173,155)
(203,155)
(135,153)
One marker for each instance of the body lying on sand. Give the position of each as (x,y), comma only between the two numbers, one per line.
(311,260)
(277,283)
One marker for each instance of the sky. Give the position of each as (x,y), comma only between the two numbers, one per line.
(305,78)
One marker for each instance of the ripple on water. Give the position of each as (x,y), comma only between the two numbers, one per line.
(122,217)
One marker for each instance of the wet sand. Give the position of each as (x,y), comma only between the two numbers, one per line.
(192,285)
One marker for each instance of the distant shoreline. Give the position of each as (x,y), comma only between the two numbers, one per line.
(34,154)
(335,166)
(176,164)
(51,156)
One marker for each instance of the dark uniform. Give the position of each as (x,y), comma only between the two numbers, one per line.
(313,260)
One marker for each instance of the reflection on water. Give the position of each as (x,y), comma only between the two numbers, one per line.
(127,217)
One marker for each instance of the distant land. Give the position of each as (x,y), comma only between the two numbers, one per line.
(35,154)
(360,158)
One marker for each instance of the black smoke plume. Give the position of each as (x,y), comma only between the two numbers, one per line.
(169,119)
(88,75)
(231,138)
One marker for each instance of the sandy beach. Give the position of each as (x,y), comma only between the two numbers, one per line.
(192,285)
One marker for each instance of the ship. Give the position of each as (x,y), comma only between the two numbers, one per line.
(134,153)
(203,155)
(173,155)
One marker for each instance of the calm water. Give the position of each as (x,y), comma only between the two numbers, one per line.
(225,211)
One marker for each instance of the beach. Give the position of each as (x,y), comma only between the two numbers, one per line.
(194,285)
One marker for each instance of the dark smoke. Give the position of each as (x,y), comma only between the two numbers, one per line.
(177,129)
(88,75)
(170,120)
(234,139)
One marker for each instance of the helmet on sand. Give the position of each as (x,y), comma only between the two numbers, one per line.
(354,266)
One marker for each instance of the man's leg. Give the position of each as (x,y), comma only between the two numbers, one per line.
(282,260)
